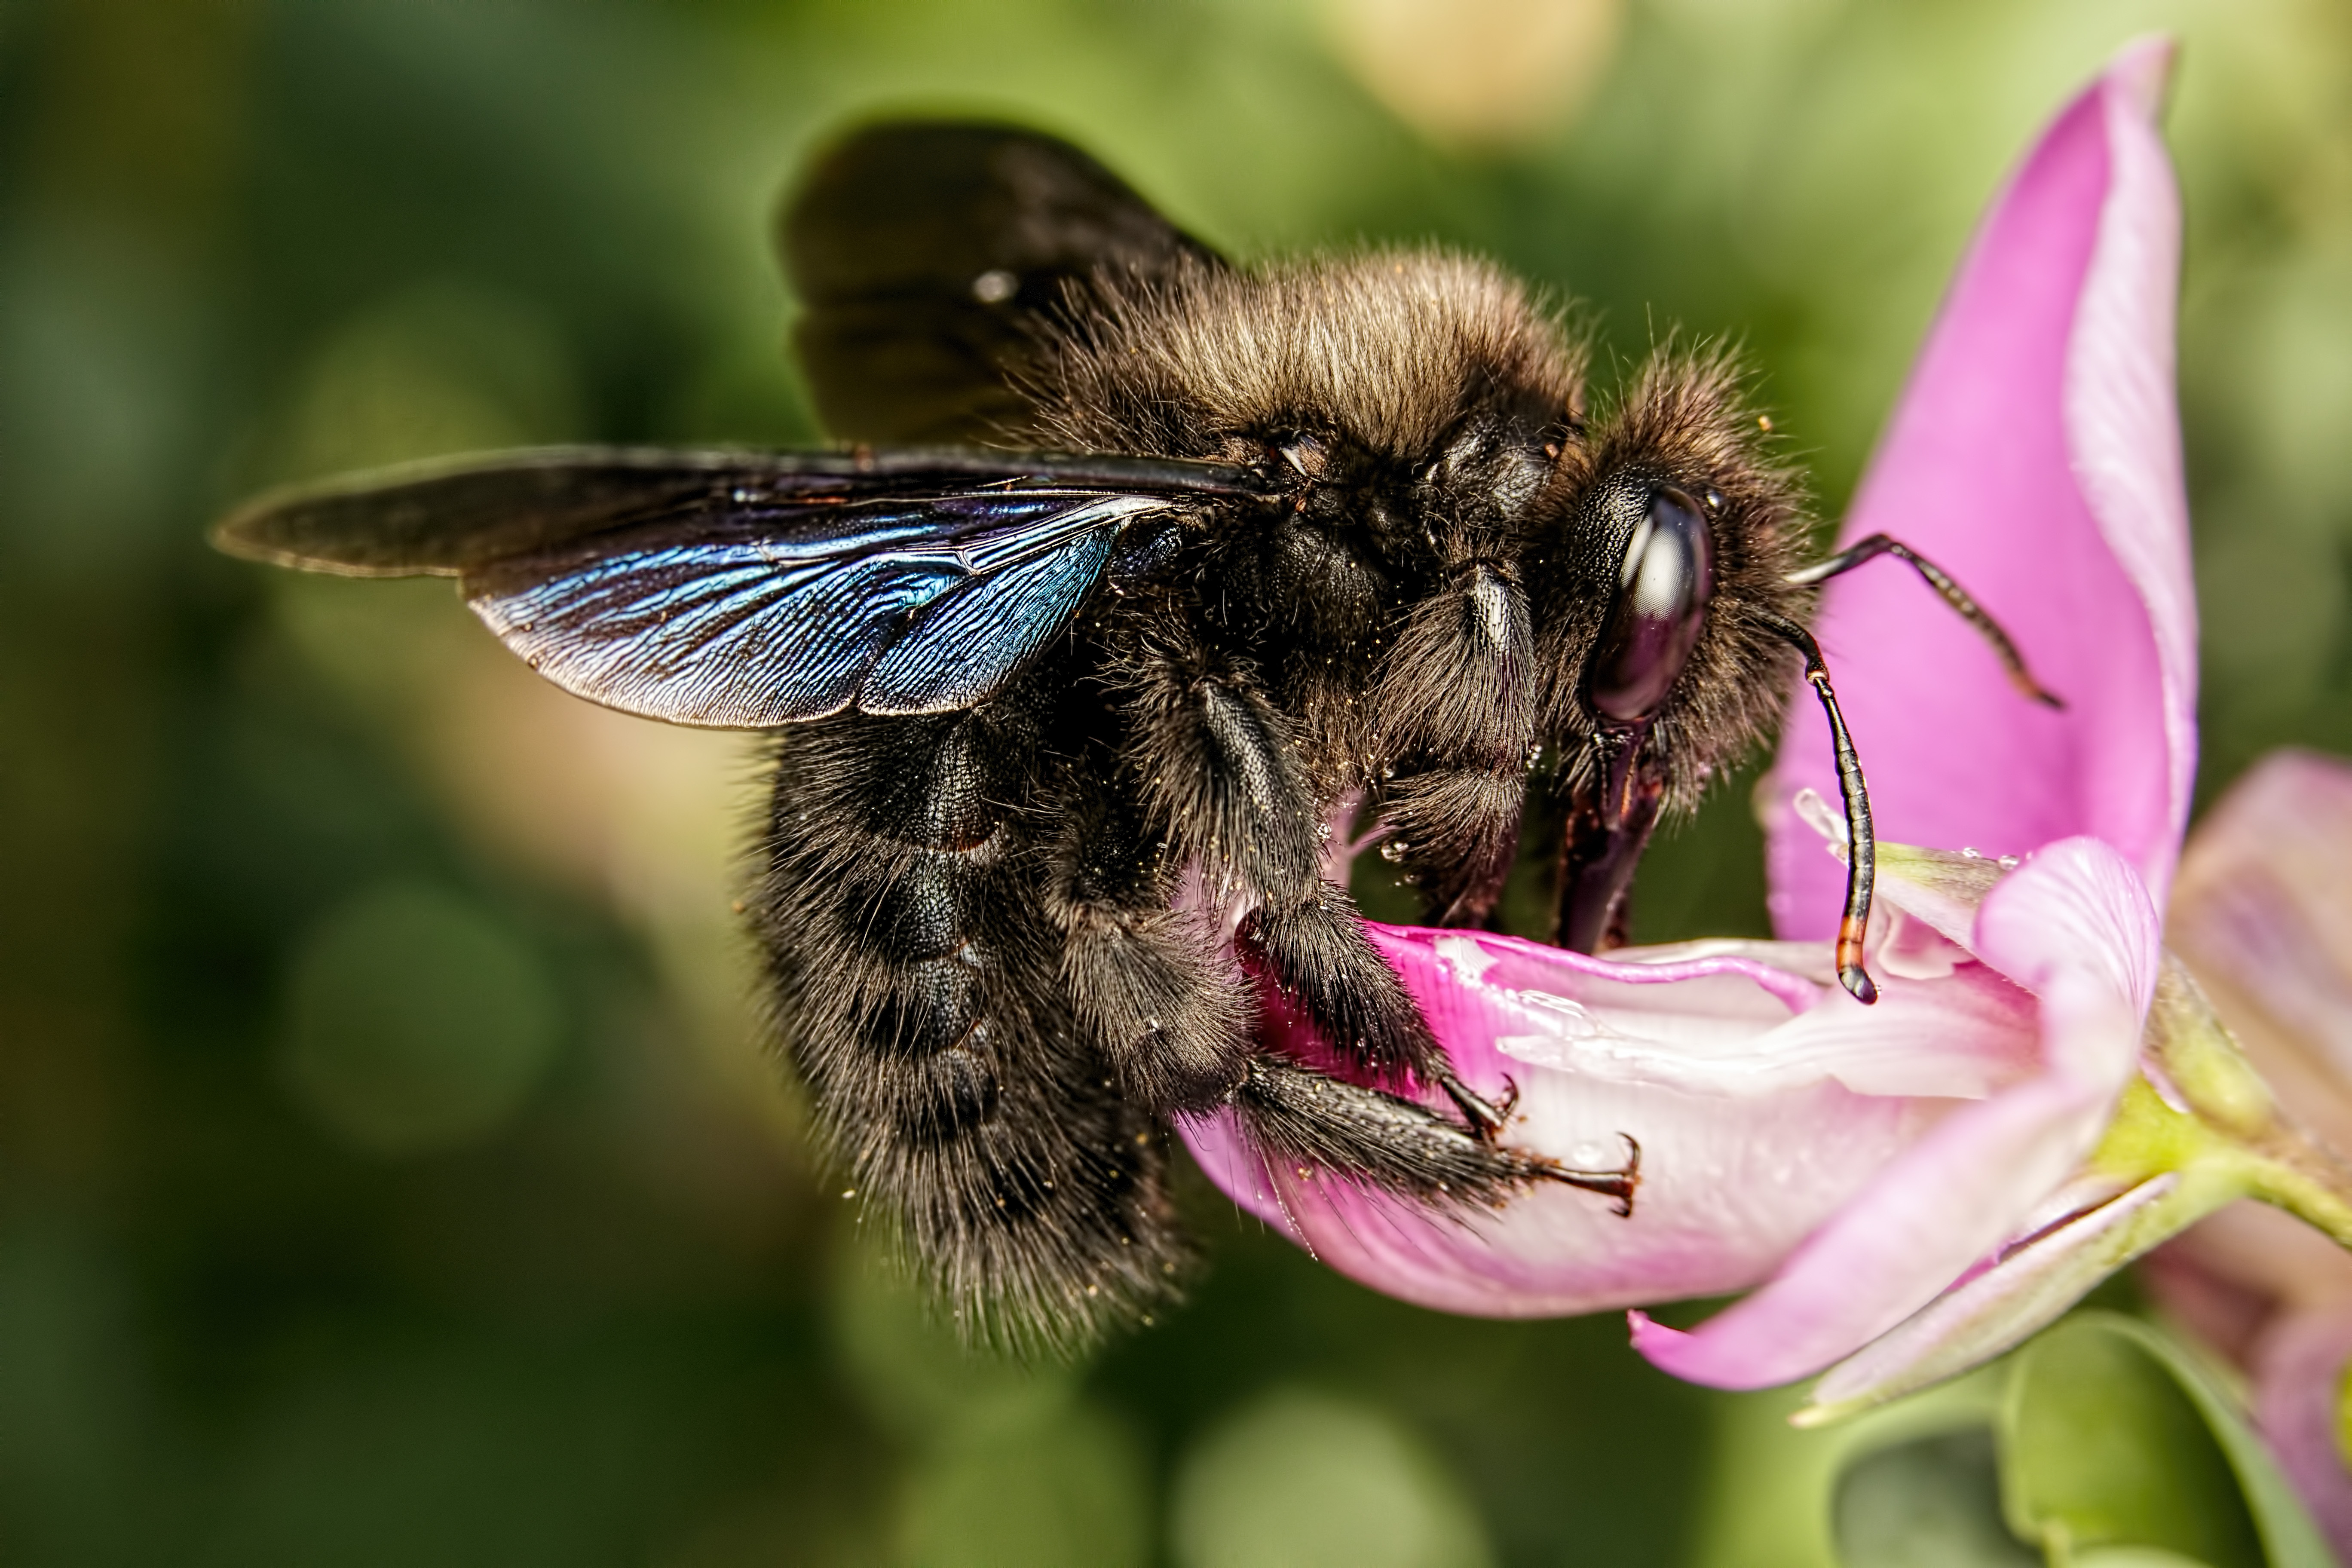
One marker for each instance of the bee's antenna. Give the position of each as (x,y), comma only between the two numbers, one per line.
(1967,608)
(1861,842)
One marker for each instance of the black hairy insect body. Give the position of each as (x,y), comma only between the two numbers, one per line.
(1323,540)
(1364,628)
(904,913)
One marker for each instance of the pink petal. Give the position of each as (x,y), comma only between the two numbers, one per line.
(2074,927)
(2264,914)
(1750,1132)
(2299,1377)
(2264,909)
(1505,1008)
(2035,455)
(2031,1287)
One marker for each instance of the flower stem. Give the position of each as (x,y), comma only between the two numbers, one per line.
(2200,1105)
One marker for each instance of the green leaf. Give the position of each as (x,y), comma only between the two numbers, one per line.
(2112,1436)
(1931,1502)
(2288,1532)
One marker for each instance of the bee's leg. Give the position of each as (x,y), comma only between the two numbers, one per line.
(1320,959)
(1862,551)
(1174,1021)
(1303,1120)
(1452,834)
(1222,780)
(1144,979)
(1455,712)
(919,996)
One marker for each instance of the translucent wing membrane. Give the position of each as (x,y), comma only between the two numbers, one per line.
(745,590)
(900,616)
(968,639)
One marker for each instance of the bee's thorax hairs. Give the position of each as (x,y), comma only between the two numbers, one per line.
(1389,352)
(1417,404)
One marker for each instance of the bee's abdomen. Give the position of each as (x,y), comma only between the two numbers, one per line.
(911,916)
(888,875)
(918,995)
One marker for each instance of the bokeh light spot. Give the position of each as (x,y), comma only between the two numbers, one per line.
(1300,1479)
(1063,1488)
(442,366)
(415,1021)
(1476,73)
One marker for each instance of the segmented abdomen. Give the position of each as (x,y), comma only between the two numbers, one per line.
(918,993)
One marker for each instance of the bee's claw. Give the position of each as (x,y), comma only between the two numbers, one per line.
(1486,1119)
(1621,1183)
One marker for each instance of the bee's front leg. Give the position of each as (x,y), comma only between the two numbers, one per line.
(1222,781)
(1454,716)
(1311,1123)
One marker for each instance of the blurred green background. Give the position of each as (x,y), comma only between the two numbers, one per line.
(390,1171)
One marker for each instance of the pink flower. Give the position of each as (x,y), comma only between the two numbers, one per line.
(1859,1158)
(2036,456)
(1880,1175)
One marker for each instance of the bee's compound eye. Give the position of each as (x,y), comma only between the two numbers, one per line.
(1662,593)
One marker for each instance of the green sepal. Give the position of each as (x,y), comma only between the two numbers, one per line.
(2113,1435)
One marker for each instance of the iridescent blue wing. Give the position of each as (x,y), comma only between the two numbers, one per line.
(748,590)
(895,605)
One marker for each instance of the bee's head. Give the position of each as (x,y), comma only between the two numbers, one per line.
(1669,533)
(1666,523)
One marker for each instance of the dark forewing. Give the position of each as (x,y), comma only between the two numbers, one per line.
(748,590)
(925,253)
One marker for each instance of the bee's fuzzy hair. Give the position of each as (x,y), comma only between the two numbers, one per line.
(1389,348)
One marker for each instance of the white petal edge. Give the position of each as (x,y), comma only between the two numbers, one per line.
(2123,427)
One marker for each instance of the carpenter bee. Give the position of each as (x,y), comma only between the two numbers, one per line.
(1142,570)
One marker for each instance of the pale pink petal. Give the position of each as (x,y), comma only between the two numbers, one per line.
(2034,455)
(2265,906)
(2263,913)
(1503,1005)
(2074,927)
(1760,1112)
(2234,1273)
(2028,1288)
(2299,1384)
